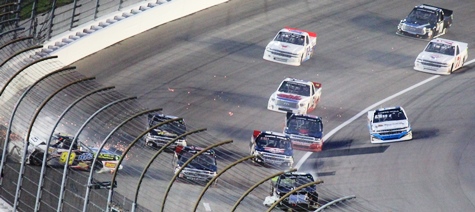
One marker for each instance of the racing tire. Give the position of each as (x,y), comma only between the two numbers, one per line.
(150,144)
(253,160)
(36,158)
(98,165)
(54,163)
(214,183)
(431,34)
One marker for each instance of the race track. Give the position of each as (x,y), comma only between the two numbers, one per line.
(208,69)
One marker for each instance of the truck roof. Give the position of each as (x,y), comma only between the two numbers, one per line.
(163,116)
(300,31)
(305,115)
(193,150)
(449,42)
(429,7)
(257,133)
(388,108)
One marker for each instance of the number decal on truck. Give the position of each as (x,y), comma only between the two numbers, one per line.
(64,157)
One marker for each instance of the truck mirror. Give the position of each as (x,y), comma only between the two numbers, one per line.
(288,115)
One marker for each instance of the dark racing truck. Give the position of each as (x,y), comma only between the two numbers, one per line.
(306,198)
(305,131)
(201,169)
(160,136)
(426,21)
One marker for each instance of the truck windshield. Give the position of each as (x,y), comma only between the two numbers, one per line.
(295,88)
(304,125)
(421,16)
(292,38)
(273,142)
(294,181)
(201,160)
(389,115)
(441,48)
(172,129)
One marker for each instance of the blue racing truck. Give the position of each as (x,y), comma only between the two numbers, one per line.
(426,21)
(271,148)
(201,169)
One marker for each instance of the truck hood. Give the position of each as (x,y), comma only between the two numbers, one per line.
(417,24)
(287,152)
(285,189)
(289,97)
(388,125)
(285,47)
(296,134)
(435,57)
(200,166)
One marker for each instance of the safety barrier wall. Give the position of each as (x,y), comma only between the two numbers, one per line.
(120,25)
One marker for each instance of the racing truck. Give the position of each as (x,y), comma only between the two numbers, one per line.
(271,148)
(201,169)
(305,131)
(291,46)
(165,133)
(296,96)
(81,156)
(389,124)
(306,198)
(442,56)
(426,21)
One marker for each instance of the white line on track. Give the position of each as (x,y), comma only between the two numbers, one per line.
(469,62)
(207,207)
(328,135)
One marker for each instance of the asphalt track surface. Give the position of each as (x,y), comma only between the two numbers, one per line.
(208,68)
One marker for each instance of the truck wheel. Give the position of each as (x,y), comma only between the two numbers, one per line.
(36,158)
(430,34)
(452,69)
(98,165)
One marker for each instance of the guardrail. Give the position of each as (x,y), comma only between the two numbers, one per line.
(106,31)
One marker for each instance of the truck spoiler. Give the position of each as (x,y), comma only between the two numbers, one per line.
(447,12)
(311,34)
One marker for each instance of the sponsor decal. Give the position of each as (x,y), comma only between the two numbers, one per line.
(110,165)
(301,143)
(444,41)
(434,56)
(280,59)
(289,96)
(274,150)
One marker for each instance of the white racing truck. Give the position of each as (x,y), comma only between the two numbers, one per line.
(291,46)
(388,125)
(442,56)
